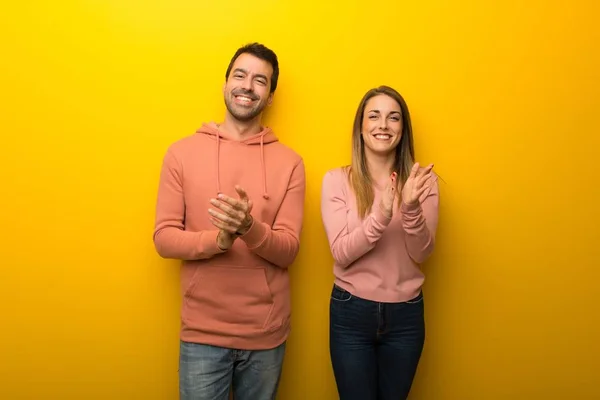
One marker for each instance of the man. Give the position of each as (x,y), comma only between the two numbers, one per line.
(230,205)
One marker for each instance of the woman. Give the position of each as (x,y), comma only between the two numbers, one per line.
(380,215)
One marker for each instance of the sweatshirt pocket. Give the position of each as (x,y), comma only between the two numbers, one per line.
(225,299)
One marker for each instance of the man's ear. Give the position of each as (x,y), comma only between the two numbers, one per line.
(270,99)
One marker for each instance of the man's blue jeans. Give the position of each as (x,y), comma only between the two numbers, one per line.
(208,372)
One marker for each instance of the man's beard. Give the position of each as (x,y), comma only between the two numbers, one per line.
(243,114)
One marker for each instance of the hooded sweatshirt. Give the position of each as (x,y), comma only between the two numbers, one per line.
(238,298)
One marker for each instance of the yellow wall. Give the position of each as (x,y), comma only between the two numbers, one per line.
(503,98)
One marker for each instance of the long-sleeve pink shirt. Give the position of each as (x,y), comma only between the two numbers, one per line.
(377,258)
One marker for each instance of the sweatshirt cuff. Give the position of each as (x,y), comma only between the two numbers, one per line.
(410,208)
(381,217)
(208,243)
(256,235)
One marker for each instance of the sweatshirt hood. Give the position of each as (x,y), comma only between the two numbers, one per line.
(265,136)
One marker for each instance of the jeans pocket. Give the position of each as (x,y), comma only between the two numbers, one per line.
(339,294)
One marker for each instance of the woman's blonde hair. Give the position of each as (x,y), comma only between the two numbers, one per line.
(359,176)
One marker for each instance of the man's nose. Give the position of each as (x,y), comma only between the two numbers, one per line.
(247,84)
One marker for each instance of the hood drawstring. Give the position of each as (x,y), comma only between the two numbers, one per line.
(262,164)
(218,171)
(264,170)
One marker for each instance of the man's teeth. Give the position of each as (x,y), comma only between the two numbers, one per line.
(244,99)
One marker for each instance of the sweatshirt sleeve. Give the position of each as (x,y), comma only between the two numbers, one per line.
(280,243)
(171,240)
(420,225)
(346,245)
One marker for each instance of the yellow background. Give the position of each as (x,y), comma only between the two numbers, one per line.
(503,98)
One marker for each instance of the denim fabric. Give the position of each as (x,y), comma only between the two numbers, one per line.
(209,372)
(375,347)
